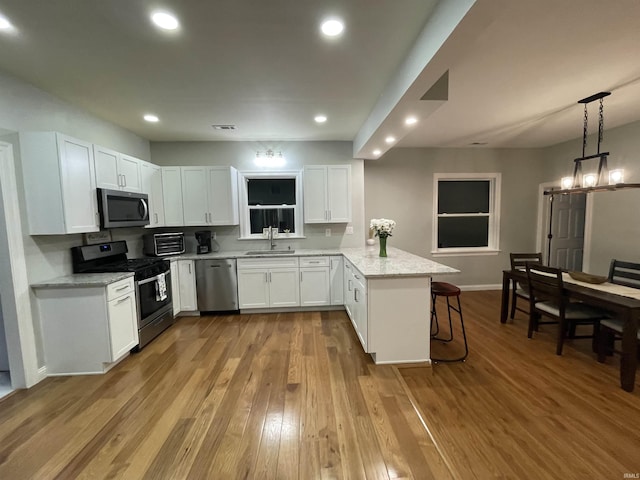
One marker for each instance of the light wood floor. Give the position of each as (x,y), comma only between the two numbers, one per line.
(291,396)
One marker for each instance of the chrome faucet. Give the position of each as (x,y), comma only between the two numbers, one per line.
(273,245)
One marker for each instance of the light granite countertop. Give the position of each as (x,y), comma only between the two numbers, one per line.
(398,263)
(83,280)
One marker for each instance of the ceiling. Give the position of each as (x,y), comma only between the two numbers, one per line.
(515,68)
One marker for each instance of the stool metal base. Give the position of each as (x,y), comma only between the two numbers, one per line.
(434,336)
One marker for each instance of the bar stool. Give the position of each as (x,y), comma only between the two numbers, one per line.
(444,289)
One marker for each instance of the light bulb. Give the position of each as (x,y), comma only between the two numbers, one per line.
(566,182)
(589,179)
(616,176)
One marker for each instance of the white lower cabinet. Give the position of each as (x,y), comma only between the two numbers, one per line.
(355,302)
(187,286)
(175,287)
(336,279)
(314,281)
(268,282)
(85,329)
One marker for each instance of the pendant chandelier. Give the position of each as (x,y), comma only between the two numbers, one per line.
(591,181)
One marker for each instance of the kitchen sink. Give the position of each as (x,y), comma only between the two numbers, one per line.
(270,252)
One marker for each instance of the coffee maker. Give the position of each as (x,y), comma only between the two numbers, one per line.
(204,241)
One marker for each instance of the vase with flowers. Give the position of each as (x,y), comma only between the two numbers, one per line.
(383,228)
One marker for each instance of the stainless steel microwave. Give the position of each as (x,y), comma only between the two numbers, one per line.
(122,209)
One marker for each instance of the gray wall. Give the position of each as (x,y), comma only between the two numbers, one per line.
(241,155)
(24,107)
(615,216)
(400,186)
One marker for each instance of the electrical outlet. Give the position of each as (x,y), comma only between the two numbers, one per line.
(327,232)
(349,230)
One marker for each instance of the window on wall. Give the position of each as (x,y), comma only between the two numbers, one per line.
(269,199)
(466,213)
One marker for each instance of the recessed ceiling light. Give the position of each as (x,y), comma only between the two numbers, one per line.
(320,118)
(411,120)
(390,139)
(5,24)
(377,152)
(151,118)
(165,20)
(332,27)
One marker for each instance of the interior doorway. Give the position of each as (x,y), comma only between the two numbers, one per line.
(563,226)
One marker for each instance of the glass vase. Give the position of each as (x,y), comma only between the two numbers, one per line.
(383,246)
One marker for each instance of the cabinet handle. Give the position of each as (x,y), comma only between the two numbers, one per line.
(123,299)
(269,277)
(357,277)
(355,295)
(206,217)
(329,214)
(301,276)
(155,215)
(314,261)
(189,265)
(124,179)
(349,285)
(122,287)
(266,277)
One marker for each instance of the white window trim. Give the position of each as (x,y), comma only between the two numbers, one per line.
(493,248)
(243,198)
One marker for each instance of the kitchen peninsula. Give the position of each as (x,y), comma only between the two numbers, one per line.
(387,298)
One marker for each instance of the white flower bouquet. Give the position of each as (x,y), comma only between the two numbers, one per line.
(382,226)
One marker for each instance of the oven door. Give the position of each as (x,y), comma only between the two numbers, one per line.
(149,298)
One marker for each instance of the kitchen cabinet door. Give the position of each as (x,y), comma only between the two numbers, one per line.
(360,310)
(315,194)
(314,286)
(339,193)
(129,170)
(175,287)
(106,168)
(336,275)
(123,325)
(284,287)
(253,288)
(172,196)
(195,196)
(223,196)
(187,277)
(152,186)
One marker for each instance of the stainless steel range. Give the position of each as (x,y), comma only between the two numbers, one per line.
(152,278)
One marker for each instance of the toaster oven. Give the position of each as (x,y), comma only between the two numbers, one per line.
(161,244)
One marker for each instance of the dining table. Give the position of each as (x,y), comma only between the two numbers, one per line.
(623,302)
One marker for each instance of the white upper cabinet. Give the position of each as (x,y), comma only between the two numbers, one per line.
(223,199)
(152,186)
(117,171)
(195,196)
(210,195)
(327,193)
(60,186)
(172,196)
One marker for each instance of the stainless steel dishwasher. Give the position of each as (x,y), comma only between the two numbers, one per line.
(217,285)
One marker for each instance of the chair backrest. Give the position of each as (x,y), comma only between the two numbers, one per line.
(545,283)
(520,260)
(624,273)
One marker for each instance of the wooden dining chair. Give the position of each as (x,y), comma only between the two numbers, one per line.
(519,262)
(624,273)
(547,299)
(621,273)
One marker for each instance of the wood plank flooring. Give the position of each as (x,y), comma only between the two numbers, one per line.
(293,396)
(514,409)
(282,396)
